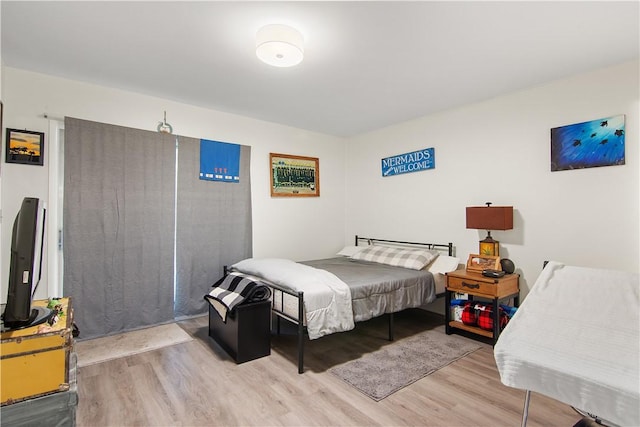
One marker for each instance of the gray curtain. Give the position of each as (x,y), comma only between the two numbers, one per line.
(119,188)
(213,226)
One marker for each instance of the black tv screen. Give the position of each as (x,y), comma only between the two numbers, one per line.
(27,243)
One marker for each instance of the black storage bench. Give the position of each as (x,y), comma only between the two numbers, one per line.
(247,334)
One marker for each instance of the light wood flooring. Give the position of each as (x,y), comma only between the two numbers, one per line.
(198,384)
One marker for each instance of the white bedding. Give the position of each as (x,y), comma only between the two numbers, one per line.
(576,338)
(327,299)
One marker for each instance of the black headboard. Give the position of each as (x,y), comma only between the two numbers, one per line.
(438,246)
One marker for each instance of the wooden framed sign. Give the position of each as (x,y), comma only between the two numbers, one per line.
(294,176)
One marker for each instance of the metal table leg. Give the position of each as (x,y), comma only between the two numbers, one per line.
(525,410)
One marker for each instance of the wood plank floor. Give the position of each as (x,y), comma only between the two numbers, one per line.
(198,384)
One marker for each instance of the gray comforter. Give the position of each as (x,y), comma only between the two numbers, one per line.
(377,289)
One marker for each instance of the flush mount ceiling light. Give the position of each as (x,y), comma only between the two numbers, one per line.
(279,45)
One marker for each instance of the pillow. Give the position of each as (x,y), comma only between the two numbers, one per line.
(413,258)
(350,250)
(444,264)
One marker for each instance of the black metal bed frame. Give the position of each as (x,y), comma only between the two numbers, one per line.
(299,295)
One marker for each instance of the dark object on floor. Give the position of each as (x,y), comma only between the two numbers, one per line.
(245,336)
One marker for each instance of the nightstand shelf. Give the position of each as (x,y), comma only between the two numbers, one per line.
(477,286)
(472,329)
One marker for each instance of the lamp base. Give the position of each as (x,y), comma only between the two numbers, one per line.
(488,246)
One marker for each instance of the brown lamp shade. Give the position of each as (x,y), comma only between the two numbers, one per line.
(490,217)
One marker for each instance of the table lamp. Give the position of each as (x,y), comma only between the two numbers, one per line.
(490,218)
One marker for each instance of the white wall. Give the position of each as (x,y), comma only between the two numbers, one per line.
(495,151)
(499,151)
(296,228)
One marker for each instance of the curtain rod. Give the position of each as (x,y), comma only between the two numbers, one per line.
(46,116)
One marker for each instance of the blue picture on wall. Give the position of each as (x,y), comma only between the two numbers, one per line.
(588,145)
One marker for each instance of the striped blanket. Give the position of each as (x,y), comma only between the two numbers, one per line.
(234,289)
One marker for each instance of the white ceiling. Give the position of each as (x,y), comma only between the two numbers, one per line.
(367,64)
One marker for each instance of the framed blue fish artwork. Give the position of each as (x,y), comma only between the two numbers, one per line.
(588,144)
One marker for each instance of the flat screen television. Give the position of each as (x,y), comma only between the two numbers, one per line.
(27,244)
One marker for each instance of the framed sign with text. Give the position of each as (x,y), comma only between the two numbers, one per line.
(409,162)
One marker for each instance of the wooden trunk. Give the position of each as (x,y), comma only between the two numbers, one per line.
(34,361)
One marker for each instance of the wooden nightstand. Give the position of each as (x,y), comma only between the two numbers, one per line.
(478,286)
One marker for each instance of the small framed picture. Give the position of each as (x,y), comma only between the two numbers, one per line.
(25,147)
(477,263)
(294,176)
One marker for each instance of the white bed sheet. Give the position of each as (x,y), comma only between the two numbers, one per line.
(327,299)
(441,283)
(576,338)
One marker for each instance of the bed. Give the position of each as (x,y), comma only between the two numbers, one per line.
(361,285)
(576,339)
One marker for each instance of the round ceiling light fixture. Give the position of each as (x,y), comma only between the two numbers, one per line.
(279,45)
